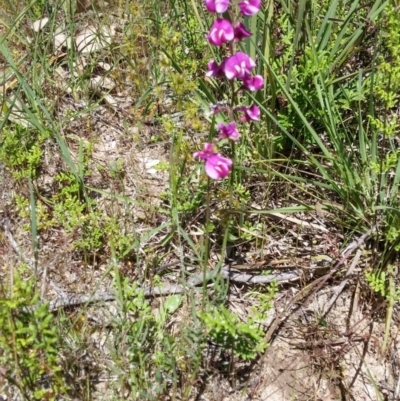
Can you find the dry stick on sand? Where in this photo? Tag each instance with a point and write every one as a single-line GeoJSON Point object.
{"type": "Point", "coordinates": [341, 286]}
{"type": "Point", "coordinates": [164, 289]}
{"type": "Point", "coordinates": [167, 289]}
{"type": "Point", "coordinates": [194, 281]}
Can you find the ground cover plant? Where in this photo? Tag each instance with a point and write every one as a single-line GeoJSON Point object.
{"type": "Point", "coordinates": [189, 190]}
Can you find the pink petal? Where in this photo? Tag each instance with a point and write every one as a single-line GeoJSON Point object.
{"type": "Point", "coordinates": [217, 6]}
{"type": "Point", "coordinates": [253, 83]}
{"type": "Point", "coordinates": [240, 32]}
{"type": "Point", "coordinates": [220, 32]}
{"type": "Point", "coordinates": [250, 7]}
{"type": "Point", "coordinates": [218, 167]}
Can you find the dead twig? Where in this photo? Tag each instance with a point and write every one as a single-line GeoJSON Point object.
{"type": "Point", "coordinates": [162, 290]}
{"type": "Point", "coordinates": [341, 286]}
{"type": "Point", "coordinates": [299, 222]}
{"type": "Point", "coordinates": [326, 343]}
{"type": "Point", "coordinates": [260, 279]}
{"type": "Point", "coordinates": [168, 289]}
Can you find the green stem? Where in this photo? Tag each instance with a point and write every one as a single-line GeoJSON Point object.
{"type": "Point", "coordinates": [206, 243]}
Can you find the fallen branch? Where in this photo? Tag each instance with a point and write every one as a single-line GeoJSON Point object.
{"type": "Point", "coordinates": [169, 289]}
{"type": "Point", "coordinates": [259, 279]}
{"type": "Point", "coordinates": [66, 301]}
{"type": "Point", "coordinates": [340, 287]}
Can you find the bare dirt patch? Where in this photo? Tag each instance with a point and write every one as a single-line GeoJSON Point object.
{"type": "Point", "coordinates": [337, 357]}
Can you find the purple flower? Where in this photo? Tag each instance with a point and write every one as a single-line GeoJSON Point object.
{"type": "Point", "coordinates": [217, 6]}
{"type": "Point", "coordinates": [238, 66]}
{"type": "Point", "coordinates": [215, 70]}
{"type": "Point", "coordinates": [216, 166]}
{"type": "Point", "coordinates": [240, 32]}
{"type": "Point", "coordinates": [251, 113]}
{"type": "Point", "coordinates": [207, 151]}
{"type": "Point", "coordinates": [250, 7]}
{"type": "Point", "coordinates": [220, 32]}
{"type": "Point", "coordinates": [228, 131]}
{"type": "Point", "coordinates": [253, 83]}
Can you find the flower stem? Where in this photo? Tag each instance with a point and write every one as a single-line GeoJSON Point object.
{"type": "Point", "coordinates": [206, 254]}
